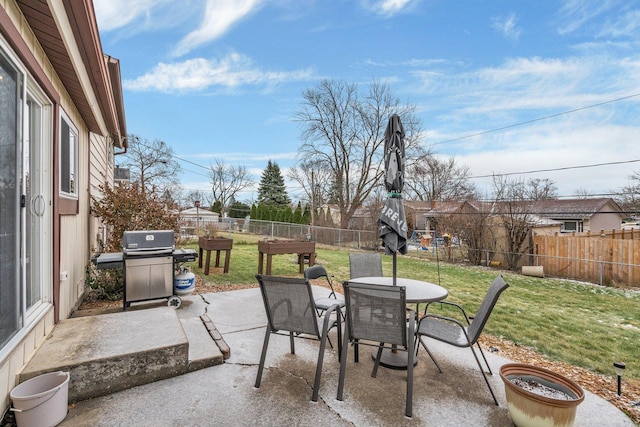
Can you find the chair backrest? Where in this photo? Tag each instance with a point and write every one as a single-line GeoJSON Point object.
{"type": "Point", "coordinates": [365, 265]}
{"type": "Point", "coordinates": [486, 307]}
{"type": "Point", "coordinates": [289, 304]}
{"type": "Point", "coordinates": [376, 313]}
{"type": "Point", "coordinates": [315, 272]}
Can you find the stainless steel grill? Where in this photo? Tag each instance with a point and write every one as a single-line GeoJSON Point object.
{"type": "Point", "coordinates": [148, 265]}
{"type": "Point", "coordinates": [149, 261]}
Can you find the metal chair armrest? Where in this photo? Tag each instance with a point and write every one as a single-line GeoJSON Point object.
{"type": "Point", "coordinates": [452, 304]}
{"type": "Point", "coordinates": [443, 318]}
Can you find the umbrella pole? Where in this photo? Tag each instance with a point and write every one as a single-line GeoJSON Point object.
{"type": "Point", "coordinates": [395, 274]}
{"type": "Point", "coordinates": [435, 239]}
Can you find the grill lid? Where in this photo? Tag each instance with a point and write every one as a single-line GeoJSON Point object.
{"type": "Point", "coordinates": [144, 241]}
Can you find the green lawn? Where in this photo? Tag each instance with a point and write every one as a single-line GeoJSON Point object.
{"type": "Point", "coordinates": [581, 324]}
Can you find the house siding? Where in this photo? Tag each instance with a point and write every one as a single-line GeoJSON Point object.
{"type": "Point", "coordinates": [72, 227]}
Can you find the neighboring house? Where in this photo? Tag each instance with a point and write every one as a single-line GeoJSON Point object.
{"type": "Point", "coordinates": [61, 117]}
{"type": "Point", "coordinates": [202, 216]}
{"type": "Point", "coordinates": [366, 217]}
{"type": "Point", "coordinates": [333, 211]}
{"type": "Point", "coordinates": [546, 217]}
{"type": "Point", "coordinates": [549, 216]}
{"type": "Point", "coordinates": [577, 215]}
{"type": "Point", "coordinates": [415, 211]}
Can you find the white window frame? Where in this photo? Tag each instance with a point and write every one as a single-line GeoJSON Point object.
{"type": "Point", "coordinates": [45, 238]}
{"type": "Point", "coordinates": [68, 183]}
{"type": "Point", "coordinates": [578, 226]}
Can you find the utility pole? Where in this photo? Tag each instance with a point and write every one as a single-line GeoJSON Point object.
{"type": "Point", "coordinates": [197, 204]}
{"type": "Point", "coordinates": [313, 201]}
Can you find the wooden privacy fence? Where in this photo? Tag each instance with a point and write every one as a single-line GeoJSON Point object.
{"type": "Point", "coordinates": [611, 258]}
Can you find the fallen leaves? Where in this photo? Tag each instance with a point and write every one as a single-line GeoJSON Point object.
{"type": "Point", "coordinates": [601, 385]}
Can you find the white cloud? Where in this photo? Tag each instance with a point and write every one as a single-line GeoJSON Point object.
{"type": "Point", "coordinates": [197, 74]}
{"type": "Point", "coordinates": [522, 90]}
{"type": "Point", "coordinates": [562, 144]}
{"type": "Point", "coordinates": [389, 7]}
{"type": "Point", "coordinates": [574, 14]}
{"type": "Point", "coordinates": [219, 17]}
{"type": "Point", "coordinates": [626, 25]}
{"type": "Point", "coordinates": [114, 14]}
{"type": "Point", "coordinates": [507, 26]}
{"type": "Point", "coordinates": [533, 86]}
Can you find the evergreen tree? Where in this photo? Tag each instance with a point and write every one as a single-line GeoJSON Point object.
{"type": "Point", "coordinates": [306, 215]}
{"type": "Point", "coordinates": [297, 214]}
{"type": "Point", "coordinates": [272, 190]}
{"type": "Point", "coordinates": [217, 207]}
{"type": "Point", "coordinates": [238, 210]}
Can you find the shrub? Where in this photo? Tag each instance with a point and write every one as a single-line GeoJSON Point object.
{"type": "Point", "coordinates": [128, 207]}
{"type": "Point", "coordinates": [104, 284]}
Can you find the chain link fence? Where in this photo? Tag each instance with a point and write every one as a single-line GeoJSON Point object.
{"type": "Point", "coordinates": [598, 271]}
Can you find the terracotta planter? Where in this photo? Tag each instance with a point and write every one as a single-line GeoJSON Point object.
{"type": "Point", "coordinates": [530, 409]}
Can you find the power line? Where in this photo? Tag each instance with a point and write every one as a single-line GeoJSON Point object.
{"type": "Point", "coordinates": [537, 120]}
{"type": "Point", "coordinates": [486, 132]}
{"type": "Point", "coordinates": [558, 169]}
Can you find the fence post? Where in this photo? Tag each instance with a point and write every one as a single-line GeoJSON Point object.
{"type": "Point", "coordinates": [602, 237]}
{"type": "Point", "coordinates": [601, 272]}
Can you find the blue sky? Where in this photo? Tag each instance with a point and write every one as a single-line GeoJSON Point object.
{"type": "Point", "coordinates": [222, 79]}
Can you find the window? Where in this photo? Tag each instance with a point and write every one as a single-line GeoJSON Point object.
{"type": "Point", "coordinates": [571, 226]}
{"type": "Point", "coordinates": [68, 157]}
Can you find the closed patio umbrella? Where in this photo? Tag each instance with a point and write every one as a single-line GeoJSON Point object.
{"type": "Point", "coordinates": [392, 221]}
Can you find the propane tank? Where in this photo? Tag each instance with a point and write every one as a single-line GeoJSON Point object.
{"type": "Point", "coordinates": [185, 281]}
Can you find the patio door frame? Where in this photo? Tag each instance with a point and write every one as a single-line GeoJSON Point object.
{"type": "Point", "coordinates": [30, 284]}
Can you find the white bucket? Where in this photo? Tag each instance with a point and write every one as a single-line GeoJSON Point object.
{"type": "Point", "coordinates": [41, 401]}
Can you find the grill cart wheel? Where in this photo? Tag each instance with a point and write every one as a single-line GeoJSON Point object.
{"type": "Point", "coordinates": [174, 301]}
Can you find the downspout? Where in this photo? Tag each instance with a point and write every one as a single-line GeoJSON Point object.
{"type": "Point", "coordinates": [123, 141]}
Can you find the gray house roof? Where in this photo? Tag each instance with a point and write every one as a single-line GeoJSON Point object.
{"type": "Point", "coordinates": [557, 209]}
{"type": "Point", "coordinates": [574, 208]}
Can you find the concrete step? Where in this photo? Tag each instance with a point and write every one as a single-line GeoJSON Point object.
{"type": "Point", "coordinates": [115, 351]}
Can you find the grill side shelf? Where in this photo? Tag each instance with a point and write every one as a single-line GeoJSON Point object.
{"type": "Point", "coordinates": [108, 260]}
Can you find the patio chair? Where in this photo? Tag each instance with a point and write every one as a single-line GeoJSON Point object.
{"type": "Point", "coordinates": [462, 334]}
{"type": "Point", "coordinates": [376, 315]}
{"type": "Point", "coordinates": [291, 311]}
{"type": "Point", "coordinates": [323, 304]}
{"type": "Point", "coordinates": [365, 265]}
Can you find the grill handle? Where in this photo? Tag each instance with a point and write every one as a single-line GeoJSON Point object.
{"type": "Point", "coordinates": [148, 252]}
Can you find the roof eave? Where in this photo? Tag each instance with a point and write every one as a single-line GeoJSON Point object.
{"type": "Point", "coordinates": [95, 95]}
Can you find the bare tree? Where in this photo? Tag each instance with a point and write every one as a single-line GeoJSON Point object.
{"type": "Point", "coordinates": [470, 223]}
{"type": "Point", "coordinates": [540, 189]}
{"type": "Point", "coordinates": [512, 207]}
{"type": "Point", "coordinates": [227, 181]}
{"type": "Point", "coordinates": [583, 193]}
{"type": "Point", "coordinates": [629, 196]}
{"type": "Point", "coordinates": [432, 179]}
{"type": "Point", "coordinates": [152, 164]}
{"type": "Point", "coordinates": [194, 196]}
{"type": "Point", "coordinates": [315, 183]}
{"type": "Point", "coordinates": [343, 131]}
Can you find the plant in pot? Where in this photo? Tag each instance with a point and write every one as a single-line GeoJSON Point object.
{"type": "Point", "coordinates": [540, 397]}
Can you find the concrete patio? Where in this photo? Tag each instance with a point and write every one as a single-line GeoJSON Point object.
{"type": "Point", "coordinates": [224, 395]}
